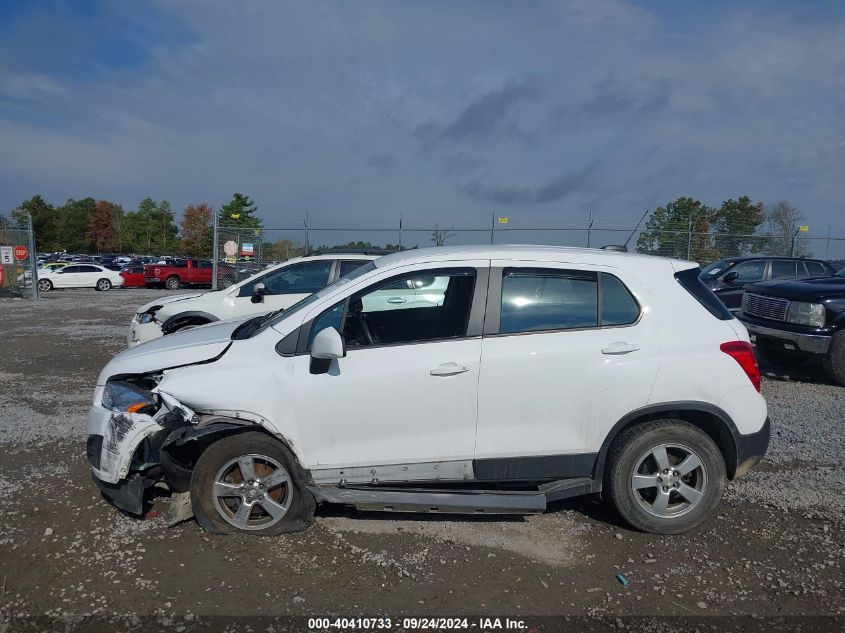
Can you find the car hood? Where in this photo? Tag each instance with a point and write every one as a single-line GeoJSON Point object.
{"type": "Point", "coordinates": [162, 301]}
{"type": "Point", "coordinates": [812, 289]}
{"type": "Point", "coordinates": [188, 347]}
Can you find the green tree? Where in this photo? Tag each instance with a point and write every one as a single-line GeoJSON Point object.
{"type": "Point", "coordinates": [73, 224]}
{"type": "Point", "coordinates": [151, 229]}
{"type": "Point", "coordinates": [735, 224]}
{"type": "Point", "coordinates": [681, 229]}
{"type": "Point", "coordinates": [240, 212]}
{"type": "Point", "coordinates": [45, 222]}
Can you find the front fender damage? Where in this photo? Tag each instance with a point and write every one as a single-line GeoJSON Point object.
{"type": "Point", "coordinates": [142, 451]}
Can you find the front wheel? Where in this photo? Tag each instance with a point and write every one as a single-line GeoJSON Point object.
{"type": "Point", "coordinates": [834, 360]}
{"type": "Point", "coordinates": [103, 284]}
{"type": "Point", "coordinates": [665, 476]}
{"type": "Point", "coordinates": [249, 482]}
{"type": "Point", "coordinates": [45, 285]}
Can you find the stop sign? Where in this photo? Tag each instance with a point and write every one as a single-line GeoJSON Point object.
{"type": "Point", "coordinates": [21, 253]}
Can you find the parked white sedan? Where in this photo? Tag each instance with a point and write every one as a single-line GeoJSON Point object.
{"type": "Point", "coordinates": [79, 276]}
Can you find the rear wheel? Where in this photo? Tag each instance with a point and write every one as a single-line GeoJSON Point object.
{"type": "Point", "coordinates": [249, 482]}
{"type": "Point", "coordinates": [834, 360]}
{"type": "Point", "coordinates": [173, 283]}
{"type": "Point", "coordinates": [45, 285]}
{"type": "Point", "coordinates": [777, 355]}
{"type": "Point", "coordinates": [103, 284]}
{"type": "Point", "coordinates": [665, 476]}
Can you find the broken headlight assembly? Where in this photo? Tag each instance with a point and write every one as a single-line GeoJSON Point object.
{"type": "Point", "coordinates": [123, 396]}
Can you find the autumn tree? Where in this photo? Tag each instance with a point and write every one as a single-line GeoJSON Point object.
{"type": "Point", "coordinates": [196, 230]}
{"type": "Point", "coordinates": [100, 231]}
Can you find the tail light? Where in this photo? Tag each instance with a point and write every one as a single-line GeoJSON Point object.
{"type": "Point", "coordinates": [743, 354]}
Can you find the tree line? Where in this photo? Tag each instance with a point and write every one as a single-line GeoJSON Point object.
{"type": "Point", "coordinates": [686, 228]}
{"type": "Point", "coordinates": [100, 226]}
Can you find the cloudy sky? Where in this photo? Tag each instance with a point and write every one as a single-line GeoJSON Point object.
{"type": "Point", "coordinates": [448, 111]}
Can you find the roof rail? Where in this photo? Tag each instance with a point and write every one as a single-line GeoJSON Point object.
{"type": "Point", "coordinates": [349, 251]}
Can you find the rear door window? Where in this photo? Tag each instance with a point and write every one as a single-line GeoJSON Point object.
{"type": "Point", "coordinates": [784, 269]}
{"type": "Point", "coordinates": [546, 299]}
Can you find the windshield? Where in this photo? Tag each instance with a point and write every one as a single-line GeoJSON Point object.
{"type": "Point", "coordinates": [841, 273]}
{"type": "Point", "coordinates": [265, 321]}
{"type": "Point", "coordinates": [714, 269]}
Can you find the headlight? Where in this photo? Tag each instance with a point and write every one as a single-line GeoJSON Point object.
{"type": "Point", "coordinates": [805, 313]}
{"type": "Point", "coordinates": [124, 396]}
{"type": "Point", "coordinates": [144, 317]}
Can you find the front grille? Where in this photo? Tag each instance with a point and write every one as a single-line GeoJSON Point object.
{"type": "Point", "coordinates": [765, 307]}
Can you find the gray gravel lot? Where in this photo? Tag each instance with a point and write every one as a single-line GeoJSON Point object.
{"type": "Point", "coordinates": [775, 548]}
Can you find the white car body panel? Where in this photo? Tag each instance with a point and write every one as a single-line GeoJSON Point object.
{"type": "Point", "coordinates": [61, 279]}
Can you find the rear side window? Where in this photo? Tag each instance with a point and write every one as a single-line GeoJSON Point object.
{"type": "Point", "coordinates": [815, 269]}
{"type": "Point", "coordinates": [692, 284]}
{"type": "Point", "coordinates": [618, 306]}
{"type": "Point", "coordinates": [535, 300]}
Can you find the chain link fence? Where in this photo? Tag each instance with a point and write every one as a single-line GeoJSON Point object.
{"type": "Point", "coordinates": [16, 272]}
{"type": "Point", "coordinates": [250, 249]}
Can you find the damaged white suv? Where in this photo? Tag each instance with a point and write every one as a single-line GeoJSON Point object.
{"type": "Point", "coordinates": [545, 373]}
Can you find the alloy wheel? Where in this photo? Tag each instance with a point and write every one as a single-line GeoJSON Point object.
{"type": "Point", "coordinates": [252, 492]}
{"type": "Point", "coordinates": [669, 480]}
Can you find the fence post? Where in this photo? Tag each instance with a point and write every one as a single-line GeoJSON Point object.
{"type": "Point", "coordinates": [33, 267]}
{"type": "Point", "coordinates": [689, 238]}
{"type": "Point", "coordinates": [400, 232]}
{"type": "Point", "coordinates": [827, 247]}
{"type": "Point", "coordinates": [215, 253]}
{"type": "Point", "coordinates": [589, 229]}
{"type": "Point", "coordinates": [492, 226]}
{"type": "Point", "coordinates": [305, 224]}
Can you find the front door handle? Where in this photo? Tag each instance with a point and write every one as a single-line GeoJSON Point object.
{"type": "Point", "coordinates": [620, 347]}
{"type": "Point", "coordinates": [448, 369]}
{"type": "Point", "coordinates": [396, 300]}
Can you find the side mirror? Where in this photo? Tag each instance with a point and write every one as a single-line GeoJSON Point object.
{"type": "Point", "coordinates": [327, 345]}
{"type": "Point", "coordinates": [730, 278]}
{"type": "Point", "coordinates": [258, 292]}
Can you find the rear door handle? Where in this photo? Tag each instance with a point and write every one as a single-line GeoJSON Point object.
{"type": "Point", "coordinates": [620, 347]}
{"type": "Point", "coordinates": [448, 369]}
{"type": "Point", "coordinates": [397, 300]}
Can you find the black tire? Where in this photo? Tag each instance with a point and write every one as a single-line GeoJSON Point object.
{"type": "Point", "coordinates": [775, 354]}
{"type": "Point", "coordinates": [45, 285]}
{"type": "Point", "coordinates": [173, 283]}
{"type": "Point", "coordinates": [834, 360]}
{"type": "Point", "coordinates": [102, 284]}
{"type": "Point", "coordinates": [210, 511]}
{"type": "Point", "coordinates": [635, 444]}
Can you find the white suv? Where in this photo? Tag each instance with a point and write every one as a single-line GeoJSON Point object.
{"type": "Point", "coordinates": [545, 373]}
{"type": "Point", "coordinates": [277, 288]}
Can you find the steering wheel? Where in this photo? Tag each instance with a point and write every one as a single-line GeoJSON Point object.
{"type": "Point", "coordinates": [365, 328]}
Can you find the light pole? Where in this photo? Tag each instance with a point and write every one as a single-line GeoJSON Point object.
{"type": "Point", "coordinates": [800, 229]}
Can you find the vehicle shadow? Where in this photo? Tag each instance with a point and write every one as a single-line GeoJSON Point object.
{"type": "Point", "coordinates": [810, 371]}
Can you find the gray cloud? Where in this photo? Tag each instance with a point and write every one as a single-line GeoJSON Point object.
{"type": "Point", "coordinates": [555, 189]}
{"type": "Point", "coordinates": [382, 161]}
{"type": "Point", "coordinates": [492, 115]}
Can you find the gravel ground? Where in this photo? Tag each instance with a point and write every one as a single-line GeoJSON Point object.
{"type": "Point", "coordinates": [775, 548]}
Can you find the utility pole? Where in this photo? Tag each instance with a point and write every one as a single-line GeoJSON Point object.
{"type": "Point", "coordinates": [214, 251]}
{"type": "Point", "coordinates": [492, 226]}
{"type": "Point", "coordinates": [400, 231]}
{"type": "Point", "coordinates": [589, 228]}
{"type": "Point", "coordinates": [305, 223]}
{"type": "Point", "coordinates": [33, 266]}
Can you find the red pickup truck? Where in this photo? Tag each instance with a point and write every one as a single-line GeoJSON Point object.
{"type": "Point", "coordinates": [186, 272]}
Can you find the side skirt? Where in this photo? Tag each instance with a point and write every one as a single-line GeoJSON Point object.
{"type": "Point", "coordinates": [455, 501]}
